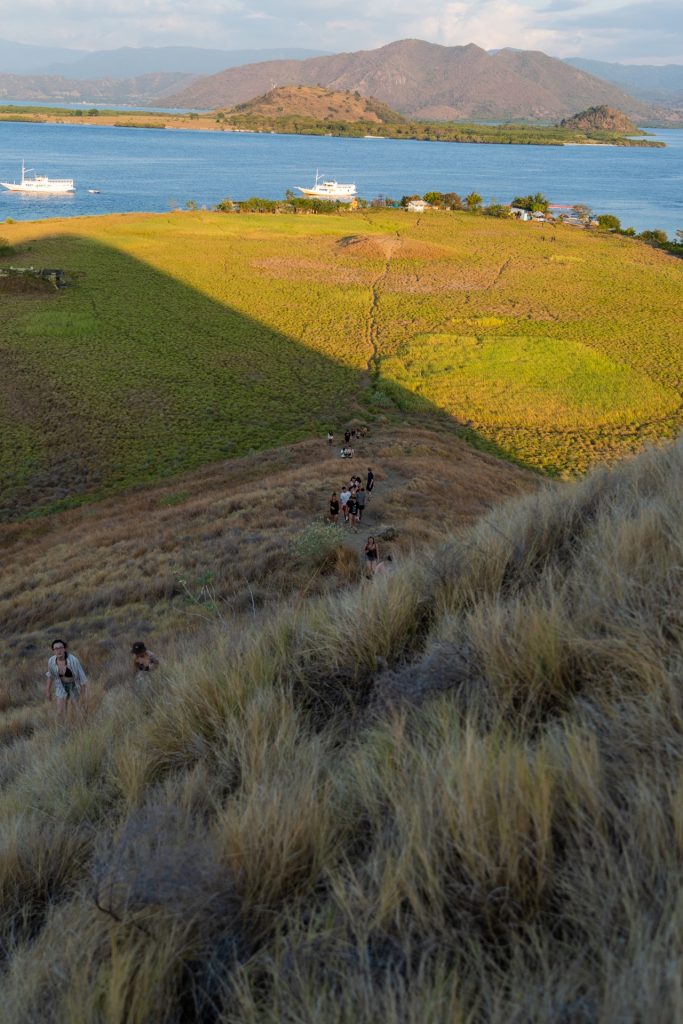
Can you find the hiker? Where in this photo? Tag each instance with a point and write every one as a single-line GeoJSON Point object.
{"type": "Point", "coordinates": [334, 508]}
{"type": "Point", "coordinates": [371, 552]}
{"type": "Point", "coordinates": [370, 483]}
{"type": "Point", "coordinates": [347, 452]}
{"type": "Point", "coordinates": [330, 438]}
{"type": "Point", "coordinates": [143, 660]}
{"type": "Point", "coordinates": [344, 498]}
{"type": "Point", "coordinates": [352, 508]}
{"type": "Point", "coordinates": [360, 498]}
{"type": "Point", "coordinates": [347, 436]}
{"type": "Point", "coordinates": [66, 678]}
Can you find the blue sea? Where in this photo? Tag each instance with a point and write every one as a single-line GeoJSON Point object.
{"type": "Point", "coordinates": [155, 170]}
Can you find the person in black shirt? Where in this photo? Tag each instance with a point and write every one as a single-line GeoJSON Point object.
{"type": "Point", "coordinates": [334, 508]}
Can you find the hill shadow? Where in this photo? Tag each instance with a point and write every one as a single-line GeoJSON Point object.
{"type": "Point", "coordinates": [129, 377]}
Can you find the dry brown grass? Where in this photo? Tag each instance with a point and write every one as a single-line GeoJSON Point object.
{"type": "Point", "coordinates": [219, 543]}
{"type": "Point", "coordinates": [449, 795]}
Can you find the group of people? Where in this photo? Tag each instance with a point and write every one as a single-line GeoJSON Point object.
{"type": "Point", "coordinates": [347, 450]}
{"type": "Point", "coordinates": [350, 504]}
{"type": "Point", "coordinates": [66, 678]}
{"type": "Point", "coordinates": [351, 501]}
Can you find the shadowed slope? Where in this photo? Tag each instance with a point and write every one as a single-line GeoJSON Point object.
{"type": "Point", "coordinates": [449, 795]}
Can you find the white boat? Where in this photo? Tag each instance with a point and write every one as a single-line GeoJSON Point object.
{"type": "Point", "coordinates": [39, 184]}
{"type": "Point", "coordinates": [328, 190]}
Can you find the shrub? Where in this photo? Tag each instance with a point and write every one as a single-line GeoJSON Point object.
{"type": "Point", "coordinates": [608, 222]}
{"type": "Point", "coordinates": [655, 237]}
{"type": "Point", "coordinates": [317, 543]}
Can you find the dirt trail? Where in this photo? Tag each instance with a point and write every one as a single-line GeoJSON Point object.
{"type": "Point", "coordinates": [371, 327]}
{"type": "Point", "coordinates": [389, 482]}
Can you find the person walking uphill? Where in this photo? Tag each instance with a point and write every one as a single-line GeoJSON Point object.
{"type": "Point", "coordinates": [66, 677]}
{"type": "Point", "coordinates": [371, 552]}
{"type": "Point", "coordinates": [143, 660]}
{"type": "Point", "coordinates": [369, 483]}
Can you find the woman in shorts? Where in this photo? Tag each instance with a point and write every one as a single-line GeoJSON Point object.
{"type": "Point", "coordinates": [66, 678]}
{"type": "Point", "coordinates": [334, 508]}
{"type": "Point", "coordinates": [371, 556]}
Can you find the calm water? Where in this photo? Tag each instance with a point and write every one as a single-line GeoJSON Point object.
{"type": "Point", "coordinates": [153, 170]}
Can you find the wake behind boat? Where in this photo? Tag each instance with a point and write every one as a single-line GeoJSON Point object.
{"type": "Point", "coordinates": [328, 190]}
{"type": "Point", "coordinates": [40, 184]}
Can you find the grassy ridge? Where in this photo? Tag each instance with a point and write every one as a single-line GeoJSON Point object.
{"type": "Point", "coordinates": [189, 337]}
{"type": "Point", "coordinates": [452, 795]}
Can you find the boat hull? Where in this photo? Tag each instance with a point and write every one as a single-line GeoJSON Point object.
{"type": "Point", "coordinates": [39, 190]}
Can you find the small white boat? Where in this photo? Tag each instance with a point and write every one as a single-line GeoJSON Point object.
{"type": "Point", "coordinates": [328, 190]}
{"type": "Point", "coordinates": [94, 191]}
{"type": "Point", "coordinates": [39, 184]}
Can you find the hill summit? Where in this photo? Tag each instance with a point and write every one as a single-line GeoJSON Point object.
{"type": "Point", "coordinates": [602, 118]}
{"type": "Point", "coordinates": [319, 103]}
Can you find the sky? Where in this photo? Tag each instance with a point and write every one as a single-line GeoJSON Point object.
{"type": "Point", "coordinates": [632, 33]}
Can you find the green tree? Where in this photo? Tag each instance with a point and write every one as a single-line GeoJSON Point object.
{"type": "Point", "coordinates": [408, 199]}
{"type": "Point", "coordinates": [608, 222]}
{"type": "Point", "coordinates": [534, 203]}
{"type": "Point", "coordinates": [654, 237]}
{"type": "Point", "coordinates": [473, 202]}
{"type": "Point", "coordinates": [497, 210]}
{"type": "Point", "coordinates": [434, 198]}
{"type": "Point", "coordinates": [452, 201]}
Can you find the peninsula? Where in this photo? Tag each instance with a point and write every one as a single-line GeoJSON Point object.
{"type": "Point", "coordinates": [315, 110]}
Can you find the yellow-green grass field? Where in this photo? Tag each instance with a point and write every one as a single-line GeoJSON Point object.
{"type": "Point", "coordinates": [187, 338]}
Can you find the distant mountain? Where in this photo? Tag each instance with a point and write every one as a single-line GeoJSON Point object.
{"type": "Point", "coordinates": [662, 85]}
{"type": "Point", "coordinates": [143, 90]}
{"type": "Point", "coordinates": [130, 62]}
{"type": "Point", "coordinates": [24, 59]}
{"type": "Point", "coordinates": [424, 80]}
{"type": "Point", "coordinates": [319, 103]}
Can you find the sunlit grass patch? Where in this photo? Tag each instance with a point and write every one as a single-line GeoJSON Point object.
{"type": "Point", "coordinates": [531, 382]}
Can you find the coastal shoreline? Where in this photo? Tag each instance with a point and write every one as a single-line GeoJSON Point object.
{"type": "Point", "coordinates": [538, 135]}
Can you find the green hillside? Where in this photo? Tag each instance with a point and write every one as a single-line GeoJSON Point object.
{"type": "Point", "coordinates": [191, 337]}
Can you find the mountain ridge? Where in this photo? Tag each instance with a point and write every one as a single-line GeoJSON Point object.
{"type": "Point", "coordinates": [429, 81]}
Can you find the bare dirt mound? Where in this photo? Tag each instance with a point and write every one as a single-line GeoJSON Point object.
{"type": "Point", "coordinates": [382, 246]}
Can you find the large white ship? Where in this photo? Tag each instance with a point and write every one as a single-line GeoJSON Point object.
{"type": "Point", "coordinates": [328, 190]}
{"type": "Point", "coordinates": [39, 184]}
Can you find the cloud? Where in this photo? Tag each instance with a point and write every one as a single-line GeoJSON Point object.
{"type": "Point", "coordinates": [606, 29]}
